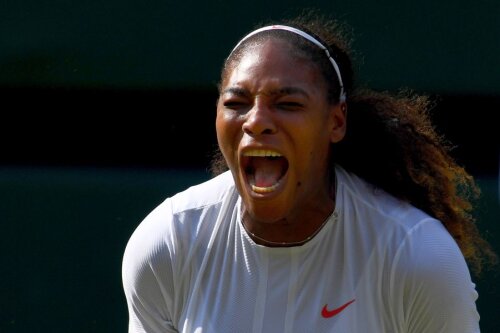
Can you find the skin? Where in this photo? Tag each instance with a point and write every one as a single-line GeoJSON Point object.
{"type": "Point", "coordinates": [274, 101]}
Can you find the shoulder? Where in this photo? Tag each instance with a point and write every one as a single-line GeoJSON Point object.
{"type": "Point", "coordinates": [374, 204]}
{"type": "Point", "coordinates": [175, 223]}
{"type": "Point", "coordinates": [164, 227]}
{"type": "Point", "coordinates": [424, 270]}
{"type": "Point", "coordinates": [397, 226]}
{"type": "Point", "coordinates": [202, 195]}
{"type": "Point", "coordinates": [159, 249]}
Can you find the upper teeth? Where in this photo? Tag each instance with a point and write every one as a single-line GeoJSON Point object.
{"type": "Point", "coordinates": [262, 153]}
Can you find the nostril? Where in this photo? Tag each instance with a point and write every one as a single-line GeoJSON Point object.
{"type": "Point", "coordinates": [258, 128]}
{"type": "Point", "coordinates": [247, 128]}
{"type": "Point", "coordinates": [265, 131]}
{"type": "Point", "coordinates": [258, 122]}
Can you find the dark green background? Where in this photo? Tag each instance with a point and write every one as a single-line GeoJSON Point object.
{"type": "Point", "coordinates": [442, 45]}
{"type": "Point", "coordinates": [108, 108]}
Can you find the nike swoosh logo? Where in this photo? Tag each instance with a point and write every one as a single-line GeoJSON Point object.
{"type": "Point", "coordinates": [330, 313]}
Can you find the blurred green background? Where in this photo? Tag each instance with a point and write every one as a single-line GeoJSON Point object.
{"type": "Point", "coordinates": [108, 108]}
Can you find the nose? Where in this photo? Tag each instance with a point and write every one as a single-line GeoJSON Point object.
{"type": "Point", "coordinates": [259, 121]}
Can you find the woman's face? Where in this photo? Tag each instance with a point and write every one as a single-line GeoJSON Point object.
{"type": "Point", "coordinates": [274, 128]}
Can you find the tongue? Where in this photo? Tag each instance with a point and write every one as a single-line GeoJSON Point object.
{"type": "Point", "coordinates": [267, 172]}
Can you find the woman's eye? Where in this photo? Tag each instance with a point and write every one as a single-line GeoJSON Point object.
{"type": "Point", "coordinates": [234, 104]}
{"type": "Point", "coordinates": [289, 105]}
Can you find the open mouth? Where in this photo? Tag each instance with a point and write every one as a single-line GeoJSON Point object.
{"type": "Point", "coordinates": [264, 169]}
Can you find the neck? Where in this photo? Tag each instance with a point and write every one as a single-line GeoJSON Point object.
{"type": "Point", "coordinates": [284, 239]}
{"type": "Point", "coordinates": [295, 232]}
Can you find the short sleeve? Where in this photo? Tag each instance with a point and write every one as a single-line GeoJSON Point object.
{"type": "Point", "coordinates": [433, 283]}
{"type": "Point", "coordinates": [147, 274]}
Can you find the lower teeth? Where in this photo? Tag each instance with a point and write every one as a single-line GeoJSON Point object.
{"type": "Point", "coordinates": [268, 189]}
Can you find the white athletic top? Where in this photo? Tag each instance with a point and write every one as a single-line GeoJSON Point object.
{"type": "Point", "coordinates": [378, 265]}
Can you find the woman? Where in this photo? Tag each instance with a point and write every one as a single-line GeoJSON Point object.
{"type": "Point", "coordinates": [341, 210]}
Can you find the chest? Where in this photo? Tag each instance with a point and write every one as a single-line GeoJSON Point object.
{"type": "Point", "coordinates": [320, 289]}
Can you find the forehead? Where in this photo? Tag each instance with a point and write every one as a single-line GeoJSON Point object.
{"type": "Point", "coordinates": [267, 44]}
{"type": "Point", "coordinates": [272, 59]}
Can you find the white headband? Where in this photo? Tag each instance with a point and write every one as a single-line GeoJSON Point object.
{"type": "Point", "coordinates": [309, 38]}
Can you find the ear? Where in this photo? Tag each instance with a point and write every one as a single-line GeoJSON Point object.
{"type": "Point", "coordinates": [338, 114]}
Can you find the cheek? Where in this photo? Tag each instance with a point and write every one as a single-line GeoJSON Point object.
{"type": "Point", "coordinates": [314, 133]}
{"type": "Point", "coordinates": [221, 125]}
{"type": "Point", "coordinates": [314, 143]}
{"type": "Point", "coordinates": [228, 130]}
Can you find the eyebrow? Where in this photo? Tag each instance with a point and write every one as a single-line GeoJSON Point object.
{"type": "Point", "coordinates": [235, 91]}
{"type": "Point", "coordinates": [281, 91]}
